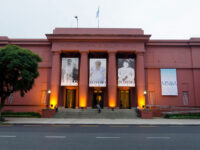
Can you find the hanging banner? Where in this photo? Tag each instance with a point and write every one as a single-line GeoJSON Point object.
{"type": "Point", "coordinates": [169, 82]}
{"type": "Point", "coordinates": [69, 75]}
{"type": "Point", "coordinates": [97, 76]}
{"type": "Point", "coordinates": [126, 72]}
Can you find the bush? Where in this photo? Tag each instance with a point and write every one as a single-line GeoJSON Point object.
{"type": "Point", "coordinates": [183, 116]}
{"type": "Point", "coordinates": [21, 114]}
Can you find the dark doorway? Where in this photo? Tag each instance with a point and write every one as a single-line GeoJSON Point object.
{"type": "Point", "coordinates": [97, 98]}
{"type": "Point", "coordinates": [70, 98]}
{"type": "Point", "coordinates": [124, 99]}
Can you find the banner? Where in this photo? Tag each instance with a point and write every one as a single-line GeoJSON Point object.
{"type": "Point", "coordinates": [97, 76]}
{"type": "Point", "coordinates": [69, 75]}
{"type": "Point", "coordinates": [169, 82]}
{"type": "Point", "coordinates": [126, 72]}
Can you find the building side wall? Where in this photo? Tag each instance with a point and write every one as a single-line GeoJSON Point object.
{"type": "Point", "coordinates": [37, 97]}
{"type": "Point", "coordinates": [185, 60]}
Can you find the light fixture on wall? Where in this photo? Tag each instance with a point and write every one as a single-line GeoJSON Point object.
{"type": "Point", "coordinates": [49, 91]}
{"type": "Point", "coordinates": [145, 92]}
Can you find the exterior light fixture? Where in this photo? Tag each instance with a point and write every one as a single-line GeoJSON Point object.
{"type": "Point", "coordinates": [49, 92]}
{"type": "Point", "coordinates": [76, 17]}
{"type": "Point", "coordinates": [145, 92]}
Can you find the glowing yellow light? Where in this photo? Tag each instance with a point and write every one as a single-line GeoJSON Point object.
{"type": "Point", "coordinates": [112, 103]}
{"type": "Point", "coordinates": [141, 102]}
{"type": "Point", "coordinates": [82, 102]}
{"type": "Point", "coordinates": [53, 103]}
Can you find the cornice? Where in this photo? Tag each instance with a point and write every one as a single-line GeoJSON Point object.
{"type": "Point", "coordinates": [97, 37]}
{"type": "Point", "coordinates": [6, 40]}
{"type": "Point", "coordinates": [190, 42]}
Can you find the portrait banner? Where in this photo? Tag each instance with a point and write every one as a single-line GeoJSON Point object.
{"type": "Point", "coordinates": [97, 76]}
{"type": "Point", "coordinates": [69, 74]}
{"type": "Point", "coordinates": [126, 72]}
{"type": "Point", "coordinates": [169, 82]}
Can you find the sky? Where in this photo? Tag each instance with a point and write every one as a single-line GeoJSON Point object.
{"type": "Point", "coordinates": [162, 19]}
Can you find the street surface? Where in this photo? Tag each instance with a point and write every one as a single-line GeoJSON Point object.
{"type": "Point", "coordinates": [99, 137]}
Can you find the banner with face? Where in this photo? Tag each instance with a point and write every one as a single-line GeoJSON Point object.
{"type": "Point", "coordinates": [126, 72]}
{"type": "Point", "coordinates": [97, 77]}
{"type": "Point", "coordinates": [69, 75]}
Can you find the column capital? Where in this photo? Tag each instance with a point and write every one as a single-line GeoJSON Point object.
{"type": "Point", "coordinates": [140, 54]}
{"type": "Point", "coordinates": [112, 52]}
{"type": "Point", "coordinates": [84, 51]}
{"type": "Point", "coordinates": [56, 52]}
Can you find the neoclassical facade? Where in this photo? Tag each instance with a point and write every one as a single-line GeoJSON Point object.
{"type": "Point", "coordinates": [115, 68]}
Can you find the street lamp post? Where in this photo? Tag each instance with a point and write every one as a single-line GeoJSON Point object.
{"type": "Point", "coordinates": [76, 17]}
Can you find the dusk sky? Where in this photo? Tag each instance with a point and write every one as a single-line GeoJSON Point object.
{"type": "Point", "coordinates": [163, 19]}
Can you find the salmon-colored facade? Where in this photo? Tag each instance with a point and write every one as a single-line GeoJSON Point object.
{"type": "Point", "coordinates": [84, 43]}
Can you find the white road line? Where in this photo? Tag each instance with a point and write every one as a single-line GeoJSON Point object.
{"type": "Point", "coordinates": [153, 137]}
{"type": "Point", "coordinates": [101, 137]}
{"type": "Point", "coordinates": [59, 137]}
{"type": "Point", "coordinates": [7, 136]}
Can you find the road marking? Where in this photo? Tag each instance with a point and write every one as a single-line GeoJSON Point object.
{"type": "Point", "coordinates": [106, 137]}
{"type": "Point", "coordinates": [153, 137]}
{"type": "Point", "coordinates": [147, 126]}
{"type": "Point", "coordinates": [7, 136]}
{"type": "Point", "coordinates": [61, 125]}
{"type": "Point", "coordinates": [32, 125]}
{"type": "Point", "coordinates": [119, 126]}
{"type": "Point", "coordinates": [88, 126]}
{"type": "Point", "coordinates": [59, 137]}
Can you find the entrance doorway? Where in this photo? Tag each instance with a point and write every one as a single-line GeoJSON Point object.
{"type": "Point", "coordinates": [70, 98]}
{"type": "Point", "coordinates": [125, 99]}
{"type": "Point", "coordinates": [97, 98]}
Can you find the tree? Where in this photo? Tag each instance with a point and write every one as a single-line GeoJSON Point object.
{"type": "Point", "coordinates": [18, 70]}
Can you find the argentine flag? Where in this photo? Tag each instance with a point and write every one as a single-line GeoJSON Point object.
{"type": "Point", "coordinates": [97, 15]}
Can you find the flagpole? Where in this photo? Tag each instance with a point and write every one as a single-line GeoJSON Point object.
{"type": "Point", "coordinates": [97, 16]}
{"type": "Point", "coordinates": [98, 22]}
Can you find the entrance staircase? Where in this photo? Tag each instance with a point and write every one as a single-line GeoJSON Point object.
{"type": "Point", "coordinates": [91, 113]}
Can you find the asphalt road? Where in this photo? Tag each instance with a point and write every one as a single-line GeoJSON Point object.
{"type": "Point", "coordinates": [99, 137]}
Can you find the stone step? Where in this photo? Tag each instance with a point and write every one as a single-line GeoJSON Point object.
{"type": "Point", "coordinates": [93, 113]}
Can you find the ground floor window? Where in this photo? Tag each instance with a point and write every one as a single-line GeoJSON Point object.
{"type": "Point", "coordinates": [185, 98]}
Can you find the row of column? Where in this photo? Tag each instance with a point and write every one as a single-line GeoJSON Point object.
{"type": "Point", "coordinates": [83, 81]}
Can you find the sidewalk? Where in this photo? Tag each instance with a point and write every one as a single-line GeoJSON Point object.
{"type": "Point", "coordinates": [138, 121]}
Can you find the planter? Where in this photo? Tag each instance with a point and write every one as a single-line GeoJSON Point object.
{"type": "Point", "coordinates": [48, 113]}
{"type": "Point", "coordinates": [146, 114]}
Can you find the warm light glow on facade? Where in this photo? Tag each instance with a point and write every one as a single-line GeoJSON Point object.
{"type": "Point", "coordinates": [53, 103]}
{"type": "Point", "coordinates": [112, 103]}
{"type": "Point", "coordinates": [141, 102]}
{"type": "Point", "coordinates": [82, 102]}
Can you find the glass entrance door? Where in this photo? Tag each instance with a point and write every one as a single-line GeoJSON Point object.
{"type": "Point", "coordinates": [70, 98]}
{"type": "Point", "coordinates": [97, 98]}
{"type": "Point", "coordinates": [124, 99]}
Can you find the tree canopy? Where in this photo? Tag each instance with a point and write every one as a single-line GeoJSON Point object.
{"type": "Point", "coordinates": [18, 70]}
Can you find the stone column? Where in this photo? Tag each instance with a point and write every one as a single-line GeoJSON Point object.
{"type": "Point", "coordinates": [55, 80]}
{"type": "Point", "coordinates": [140, 76]}
{"type": "Point", "coordinates": [112, 80]}
{"type": "Point", "coordinates": [83, 80]}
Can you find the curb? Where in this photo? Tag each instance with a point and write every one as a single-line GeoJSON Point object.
{"type": "Point", "coordinates": [117, 124]}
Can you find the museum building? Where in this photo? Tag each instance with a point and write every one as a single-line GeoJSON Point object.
{"type": "Point", "coordinates": [112, 68]}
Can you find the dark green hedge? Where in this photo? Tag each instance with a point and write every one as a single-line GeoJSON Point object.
{"type": "Point", "coordinates": [21, 114]}
{"type": "Point", "coordinates": [183, 116]}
